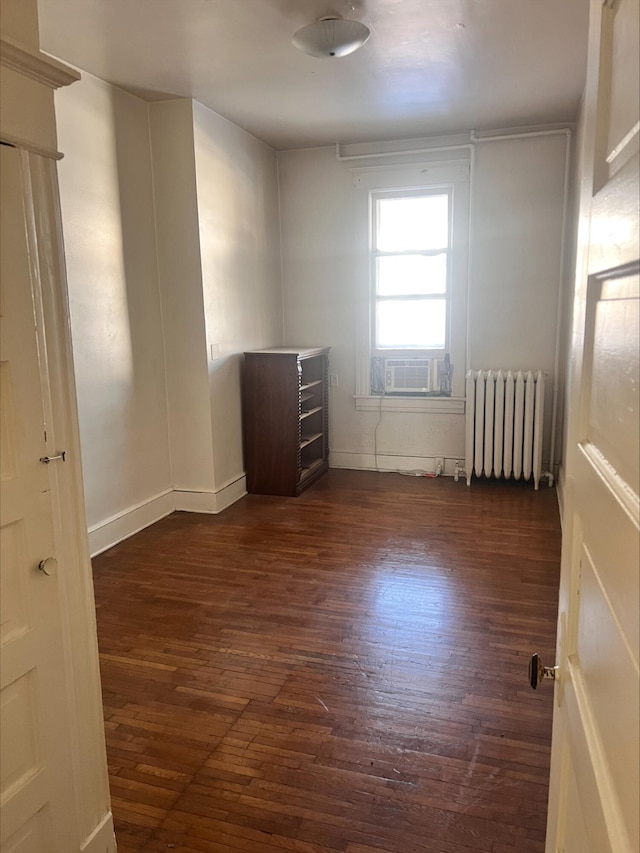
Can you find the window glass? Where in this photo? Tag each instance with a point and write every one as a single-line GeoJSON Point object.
{"type": "Point", "coordinates": [411, 323]}
{"type": "Point", "coordinates": [411, 274]}
{"type": "Point", "coordinates": [410, 268]}
{"type": "Point", "coordinates": [412, 223]}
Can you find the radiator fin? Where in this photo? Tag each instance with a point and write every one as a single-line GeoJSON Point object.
{"type": "Point", "coordinates": [504, 424]}
{"type": "Point", "coordinates": [489, 395]}
{"type": "Point", "coordinates": [498, 426]}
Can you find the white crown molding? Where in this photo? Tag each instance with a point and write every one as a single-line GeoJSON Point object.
{"type": "Point", "coordinates": [21, 142]}
{"type": "Point", "coordinates": [36, 65]}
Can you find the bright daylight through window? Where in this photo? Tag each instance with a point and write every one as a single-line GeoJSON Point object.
{"type": "Point", "coordinates": [411, 270]}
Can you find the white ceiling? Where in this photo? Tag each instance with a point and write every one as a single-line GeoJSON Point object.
{"type": "Point", "coordinates": [430, 66]}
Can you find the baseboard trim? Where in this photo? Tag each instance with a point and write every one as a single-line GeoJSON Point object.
{"type": "Point", "coordinates": [389, 463]}
{"type": "Point", "coordinates": [231, 492]}
{"type": "Point", "coordinates": [560, 493]}
{"type": "Point", "coordinates": [124, 524]}
{"type": "Point", "coordinates": [186, 501]}
{"type": "Point", "coordinates": [211, 502]}
{"type": "Point", "coordinates": [102, 839]}
{"type": "Point", "coordinates": [121, 526]}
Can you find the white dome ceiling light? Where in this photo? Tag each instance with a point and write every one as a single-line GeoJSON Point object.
{"type": "Point", "coordinates": [331, 36]}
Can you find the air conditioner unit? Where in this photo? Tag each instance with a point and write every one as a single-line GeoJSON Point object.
{"type": "Point", "coordinates": [407, 375]}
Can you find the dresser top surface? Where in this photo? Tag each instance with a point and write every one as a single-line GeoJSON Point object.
{"type": "Point", "coordinates": [300, 351]}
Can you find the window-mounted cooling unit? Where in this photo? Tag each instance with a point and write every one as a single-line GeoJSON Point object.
{"type": "Point", "coordinates": [407, 375]}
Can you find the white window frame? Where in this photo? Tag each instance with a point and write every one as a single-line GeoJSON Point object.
{"type": "Point", "coordinates": [422, 177]}
{"type": "Point", "coordinates": [409, 352]}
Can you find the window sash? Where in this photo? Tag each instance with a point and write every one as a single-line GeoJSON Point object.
{"type": "Point", "coordinates": [377, 349]}
{"type": "Point", "coordinates": [421, 233]}
{"type": "Point", "coordinates": [416, 292]}
{"type": "Point", "coordinates": [423, 320]}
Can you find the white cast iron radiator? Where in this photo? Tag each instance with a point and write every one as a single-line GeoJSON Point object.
{"type": "Point", "coordinates": [504, 424]}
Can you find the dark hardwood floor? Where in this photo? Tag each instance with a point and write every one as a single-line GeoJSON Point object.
{"type": "Point", "coordinates": [343, 671]}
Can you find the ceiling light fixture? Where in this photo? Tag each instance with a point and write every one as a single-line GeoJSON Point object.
{"type": "Point", "coordinates": [331, 36]}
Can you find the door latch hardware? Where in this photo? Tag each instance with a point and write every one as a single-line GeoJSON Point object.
{"type": "Point", "coordinates": [538, 672]}
{"type": "Point", "coordinates": [47, 459]}
{"type": "Point", "coordinates": [48, 566]}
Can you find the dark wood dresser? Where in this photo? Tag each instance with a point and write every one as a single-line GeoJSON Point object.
{"type": "Point", "coordinates": [286, 418]}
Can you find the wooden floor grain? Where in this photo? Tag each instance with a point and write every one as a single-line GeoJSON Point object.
{"type": "Point", "coordinates": [344, 671]}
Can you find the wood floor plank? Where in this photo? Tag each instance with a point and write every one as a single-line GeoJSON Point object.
{"type": "Point", "coordinates": [343, 672]}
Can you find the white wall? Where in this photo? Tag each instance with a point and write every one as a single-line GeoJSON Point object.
{"type": "Point", "coordinates": [216, 197]}
{"type": "Point", "coordinates": [108, 220]}
{"type": "Point", "coordinates": [171, 225]}
{"type": "Point", "coordinates": [180, 278]}
{"type": "Point", "coordinates": [514, 294]}
{"type": "Point", "coordinates": [515, 261]}
{"type": "Point", "coordinates": [239, 230]}
{"type": "Point", "coordinates": [516, 245]}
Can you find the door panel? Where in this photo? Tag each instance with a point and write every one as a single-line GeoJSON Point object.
{"type": "Point", "coordinates": [579, 842]}
{"type": "Point", "coordinates": [608, 666]}
{"type": "Point", "coordinates": [35, 780]}
{"type": "Point", "coordinates": [30, 838]}
{"type": "Point", "coordinates": [624, 95]}
{"type": "Point", "coordinates": [594, 785]}
{"type": "Point", "coordinates": [612, 344]}
{"type": "Point", "coordinates": [13, 605]}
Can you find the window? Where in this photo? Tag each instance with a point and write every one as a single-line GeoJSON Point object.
{"type": "Point", "coordinates": [411, 273]}
{"type": "Point", "coordinates": [411, 248]}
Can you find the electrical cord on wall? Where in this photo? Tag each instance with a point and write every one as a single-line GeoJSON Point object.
{"type": "Point", "coordinates": [378, 386]}
{"type": "Point", "coordinates": [375, 432]}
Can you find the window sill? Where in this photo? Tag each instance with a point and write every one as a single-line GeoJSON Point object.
{"type": "Point", "coordinates": [429, 405]}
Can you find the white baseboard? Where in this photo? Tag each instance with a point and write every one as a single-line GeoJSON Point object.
{"type": "Point", "coordinates": [231, 492]}
{"type": "Point", "coordinates": [211, 502]}
{"type": "Point", "coordinates": [560, 493]}
{"type": "Point", "coordinates": [102, 839]}
{"type": "Point", "coordinates": [186, 501]}
{"type": "Point", "coordinates": [386, 463]}
{"type": "Point", "coordinates": [132, 520]}
{"type": "Point", "coordinates": [124, 524]}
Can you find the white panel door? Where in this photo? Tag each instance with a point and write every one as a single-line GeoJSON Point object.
{"type": "Point", "coordinates": [36, 783]}
{"type": "Point", "coordinates": [594, 789]}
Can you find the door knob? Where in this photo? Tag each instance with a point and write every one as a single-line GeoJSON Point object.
{"type": "Point", "coordinates": [538, 672]}
{"type": "Point", "coordinates": [48, 566]}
